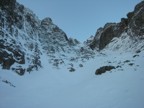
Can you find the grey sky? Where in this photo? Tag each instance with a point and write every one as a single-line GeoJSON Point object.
{"type": "Point", "coordinates": [81, 18]}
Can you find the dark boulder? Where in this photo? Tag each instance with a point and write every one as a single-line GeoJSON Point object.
{"type": "Point", "coordinates": [71, 69]}
{"type": "Point", "coordinates": [19, 70]}
{"type": "Point", "coordinates": [103, 69]}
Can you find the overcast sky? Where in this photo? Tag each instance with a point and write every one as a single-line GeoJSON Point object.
{"type": "Point", "coordinates": [81, 18]}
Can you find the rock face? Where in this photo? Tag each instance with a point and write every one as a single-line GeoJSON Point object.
{"type": "Point", "coordinates": [136, 20]}
{"type": "Point", "coordinates": [52, 36]}
{"type": "Point", "coordinates": [23, 37]}
{"type": "Point", "coordinates": [133, 25]}
{"type": "Point", "coordinates": [18, 35]}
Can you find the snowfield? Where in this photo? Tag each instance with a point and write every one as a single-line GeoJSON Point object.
{"type": "Point", "coordinates": [51, 87]}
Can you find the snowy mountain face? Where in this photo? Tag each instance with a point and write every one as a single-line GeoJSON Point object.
{"type": "Point", "coordinates": [132, 27]}
{"type": "Point", "coordinates": [106, 71]}
{"type": "Point", "coordinates": [24, 39]}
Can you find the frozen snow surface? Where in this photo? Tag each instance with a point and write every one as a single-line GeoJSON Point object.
{"type": "Point", "coordinates": [57, 87]}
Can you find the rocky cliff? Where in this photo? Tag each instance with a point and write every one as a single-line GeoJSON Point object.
{"type": "Point", "coordinates": [133, 26]}
{"type": "Point", "coordinates": [24, 38]}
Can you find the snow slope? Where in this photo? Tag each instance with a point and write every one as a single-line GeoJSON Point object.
{"type": "Point", "coordinates": [52, 88]}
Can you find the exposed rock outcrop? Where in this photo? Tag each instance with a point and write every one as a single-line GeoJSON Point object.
{"type": "Point", "coordinates": [103, 69]}
{"type": "Point", "coordinates": [133, 25]}
{"type": "Point", "coordinates": [136, 20]}
{"type": "Point", "coordinates": [21, 36]}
